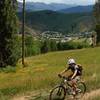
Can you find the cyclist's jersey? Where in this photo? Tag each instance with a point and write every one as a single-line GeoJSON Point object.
{"type": "Point", "coordinates": [74, 68]}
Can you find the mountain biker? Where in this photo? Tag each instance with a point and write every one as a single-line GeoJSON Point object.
{"type": "Point", "coordinates": [74, 76]}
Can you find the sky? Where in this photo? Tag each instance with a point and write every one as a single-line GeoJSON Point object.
{"type": "Point", "coordinates": [78, 2]}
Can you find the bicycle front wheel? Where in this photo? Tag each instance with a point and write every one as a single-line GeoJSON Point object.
{"type": "Point", "coordinates": [58, 93]}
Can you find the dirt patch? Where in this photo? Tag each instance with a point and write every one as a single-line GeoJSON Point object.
{"type": "Point", "coordinates": [37, 95]}
{"type": "Point", "coordinates": [91, 95]}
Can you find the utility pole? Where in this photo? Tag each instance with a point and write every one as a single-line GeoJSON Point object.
{"type": "Point", "coordinates": [23, 34]}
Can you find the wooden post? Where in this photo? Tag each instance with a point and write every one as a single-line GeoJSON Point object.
{"type": "Point", "coordinates": [23, 35]}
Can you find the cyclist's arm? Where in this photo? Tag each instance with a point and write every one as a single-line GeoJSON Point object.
{"type": "Point", "coordinates": [74, 74]}
{"type": "Point", "coordinates": [64, 71]}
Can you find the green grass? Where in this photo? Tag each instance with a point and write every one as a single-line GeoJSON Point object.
{"type": "Point", "coordinates": [41, 71]}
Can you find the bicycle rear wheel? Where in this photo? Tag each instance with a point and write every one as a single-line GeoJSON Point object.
{"type": "Point", "coordinates": [81, 89]}
{"type": "Point", "coordinates": [58, 93]}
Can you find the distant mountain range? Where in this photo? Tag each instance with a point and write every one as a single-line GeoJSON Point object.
{"type": "Point", "coordinates": [78, 9]}
{"type": "Point", "coordinates": [42, 17]}
{"type": "Point", "coordinates": [64, 8]}
{"type": "Point", "coordinates": [36, 6]}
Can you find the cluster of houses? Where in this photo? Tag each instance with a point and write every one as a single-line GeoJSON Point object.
{"type": "Point", "coordinates": [65, 37]}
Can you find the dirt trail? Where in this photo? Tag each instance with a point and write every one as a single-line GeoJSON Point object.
{"type": "Point", "coordinates": [44, 96]}
{"type": "Point", "coordinates": [36, 95]}
{"type": "Point", "coordinates": [91, 95]}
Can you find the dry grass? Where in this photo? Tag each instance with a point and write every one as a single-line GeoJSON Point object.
{"type": "Point", "coordinates": [41, 71]}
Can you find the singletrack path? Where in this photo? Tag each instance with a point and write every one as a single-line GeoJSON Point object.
{"type": "Point", "coordinates": [44, 96]}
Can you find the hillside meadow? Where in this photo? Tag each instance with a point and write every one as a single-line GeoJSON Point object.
{"type": "Point", "coordinates": [40, 72]}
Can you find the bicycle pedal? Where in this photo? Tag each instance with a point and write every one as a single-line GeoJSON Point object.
{"type": "Point", "coordinates": [78, 90]}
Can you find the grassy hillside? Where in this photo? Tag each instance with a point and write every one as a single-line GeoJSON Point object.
{"type": "Point", "coordinates": [41, 71]}
{"type": "Point", "coordinates": [28, 30]}
{"type": "Point", "coordinates": [55, 21]}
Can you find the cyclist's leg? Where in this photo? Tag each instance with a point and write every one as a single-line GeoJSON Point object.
{"type": "Point", "coordinates": [74, 84]}
{"type": "Point", "coordinates": [77, 78]}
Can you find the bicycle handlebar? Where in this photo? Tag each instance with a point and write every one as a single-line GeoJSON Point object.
{"type": "Point", "coordinates": [60, 76]}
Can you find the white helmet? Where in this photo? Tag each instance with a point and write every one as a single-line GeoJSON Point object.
{"type": "Point", "coordinates": [71, 61]}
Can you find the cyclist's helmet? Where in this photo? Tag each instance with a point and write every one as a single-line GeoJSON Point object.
{"type": "Point", "coordinates": [71, 61]}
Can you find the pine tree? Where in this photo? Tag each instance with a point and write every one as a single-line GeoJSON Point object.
{"type": "Point", "coordinates": [97, 11]}
{"type": "Point", "coordinates": [8, 27]}
{"type": "Point", "coordinates": [97, 17]}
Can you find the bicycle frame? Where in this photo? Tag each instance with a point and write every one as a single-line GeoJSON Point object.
{"type": "Point", "coordinates": [65, 83]}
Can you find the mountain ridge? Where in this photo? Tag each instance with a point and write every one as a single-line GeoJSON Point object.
{"type": "Point", "coordinates": [36, 6]}
{"type": "Point", "coordinates": [78, 9]}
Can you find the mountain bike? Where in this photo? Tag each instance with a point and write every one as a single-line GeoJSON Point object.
{"type": "Point", "coordinates": [65, 90]}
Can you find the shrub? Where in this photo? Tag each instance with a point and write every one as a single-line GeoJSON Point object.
{"type": "Point", "coordinates": [45, 47]}
{"type": "Point", "coordinates": [72, 45]}
{"type": "Point", "coordinates": [9, 69]}
{"type": "Point", "coordinates": [32, 47]}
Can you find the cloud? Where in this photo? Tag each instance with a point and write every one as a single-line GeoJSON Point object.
{"type": "Point", "coordinates": [46, 1]}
